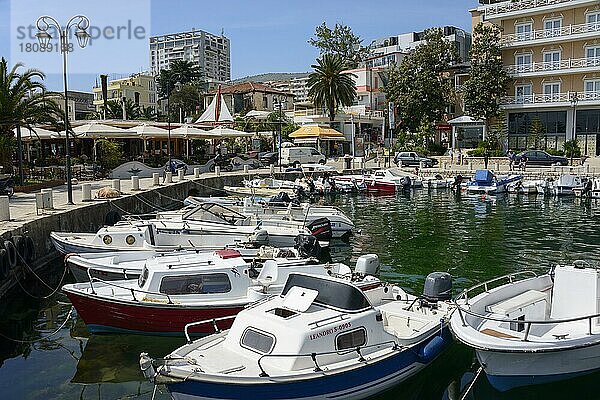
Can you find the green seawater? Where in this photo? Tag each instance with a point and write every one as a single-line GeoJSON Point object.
{"type": "Point", "coordinates": [414, 234]}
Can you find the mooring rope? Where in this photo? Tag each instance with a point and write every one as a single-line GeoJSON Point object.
{"type": "Point", "coordinates": [53, 290]}
{"type": "Point", "coordinates": [464, 395]}
{"type": "Point", "coordinates": [69, 314]}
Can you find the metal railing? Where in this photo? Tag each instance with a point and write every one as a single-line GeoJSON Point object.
{"type": "Point", "coordinates": [539, 98]}
{"type": "Point", "coordinates": [490, 284]}
{"type": "Point", "coordinates": [131, 290]}
{"type": "Point", "coordinates": [553, 65]}
{"type": "Point", "coordinates": [212, 321]}
{"type": "Point", "coordinates": [512, 6]}
{"type": "Point", "coordinates": [552, 33]}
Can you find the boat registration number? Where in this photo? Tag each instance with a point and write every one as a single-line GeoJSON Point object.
{"type": "Point", "coordinates": [330, 331]}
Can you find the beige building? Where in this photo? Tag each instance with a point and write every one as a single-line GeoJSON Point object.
{"type": "Point", "coordinates": [552, 50]}
{"type": "Point", "coordinates": [139, 88]}
{"type": "Point", "coordinates": [248, 96]}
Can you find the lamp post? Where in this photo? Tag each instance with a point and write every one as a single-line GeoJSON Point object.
{"type": "Point", "coordinates": [168, 94]}
{"type": "Point", "coordinates": [82, 23]}
{"type": "Point", "coordinates": [278, 105]}
{"type": "Point", "coordinates": [574, 101]}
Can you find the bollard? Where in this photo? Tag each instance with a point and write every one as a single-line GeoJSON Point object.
{"type": "Point", "coordinates": [246, 169]}
{"type": "Point", "coordinates": [180, 174]}
{"type": "Point", "coordinates": [116, 184]}
{"type": "Point", "coordinates": [272, 169]}
{"type": "Point", "coordinates": [497, 166]}
{"type": "Point", "coordinates": [168, 177]}
{"type": "Point", "coordinates": [4, 209]}
{"type": "Point", "coordinates": [218, 171]}
{"type": "Point", "coordinates": [587, 168]}
{"type": "Point", "coordinates": [48, 199]}
{"type": "Point", "coordinates": [135, 183]}
{"type": "Point", "coordinates": [156, 179]}
{"type": "Point", "coordinates": [86, 192]}
{"type": "Point", "coordinates": [196, 172]}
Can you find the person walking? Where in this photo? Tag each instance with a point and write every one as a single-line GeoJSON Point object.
{"type": "Point", "coordinates": [486, 158]}
{"type": "Point", "coordinates": [511, 159]}
{"type": "Point", "coordinates": [451, 154]}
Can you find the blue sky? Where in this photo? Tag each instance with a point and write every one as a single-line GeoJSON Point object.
{"type": "Point", "coordinates": [266, 35]}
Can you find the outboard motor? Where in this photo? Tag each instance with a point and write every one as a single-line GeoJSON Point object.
{"type": "Point", "coordinates": [320, 228]}
{"type": "Point", "coordinates": [367, 264]}
{"type": "Point", "coordinates": [457, 182]}
{"type": "Point", "coordinates": [307, 246]}
{"type": "Point", "coordinates": [406, 183]}
{"type": "Point", "coordinates": [259, 238]}
{"type": "Point", "coordinates": [282, 199]}
{"type": "Point", "coordinates": [438, 287]}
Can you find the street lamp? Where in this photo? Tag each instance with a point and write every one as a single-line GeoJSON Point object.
{"type": "Point", "coordinates": [574, 101]}
{"type": "Point", "coordinates": [82, 23]}
{"type": "Point", "coordinates": [278, 105]}
{"type": "Point", "coordinates": [168, 94]}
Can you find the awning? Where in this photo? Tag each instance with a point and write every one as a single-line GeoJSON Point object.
{"type": "Point", "coordinates": [222, 132]}
{"type": "Point", "coordinates": [189, 132]}
{"type": "Point", "coordinates": [96, 130]}
{"type": "Point", "coordinates": [317, 132]}
{"type": "Point", "coordinates": [146, 131]}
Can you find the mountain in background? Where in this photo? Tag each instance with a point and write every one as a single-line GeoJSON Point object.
{"type": "Point", "coordinates": [271, 77]}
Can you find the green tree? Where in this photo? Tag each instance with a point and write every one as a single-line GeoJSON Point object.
{"type": "Point", "coordinates": [187, 97]}
{"type": "Point", "coordinates": [537, 132]}
{"type": "Point", "coordinates": [114, 109]}
{"type": "Point", "coordinates": [180, 71]}
{"type": "Point", "coordinates": [497, 133]}
{"type": "Point", "coordinates": [340, 41]}
{"type": "Point", "coordinates": [488, 81]}
{"type": "Point", "coordinates": [148, 114]}
{"type": "Point", "coordinates": [111, 154]}
{"type": "Point", "coordinates": [329, 86]}
{"type": "Point", "coordinates": [23, 103]}
{"type": "Point", "coordinates": [418, 86]}
{"type": "Point", "coordinates": [572, 148]}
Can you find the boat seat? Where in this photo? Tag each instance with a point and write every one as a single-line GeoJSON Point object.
{"type": "Point", "coordinates": [512, 304]}
{"type": "Point", "coordinates": [401, 323]}
{"type": "Point", "coordinates": [268, 274]}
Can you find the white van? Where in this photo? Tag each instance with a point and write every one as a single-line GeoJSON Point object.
{"type": "Point", "coordinates": [301, 155]}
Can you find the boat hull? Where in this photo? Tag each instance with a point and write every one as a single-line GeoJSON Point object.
{"type": "Point", "coordinates": [365, 381]}
{"type": "Point", "coordinates": [108, 316]}
{"type": "Point", "coordinates": [507, 371]}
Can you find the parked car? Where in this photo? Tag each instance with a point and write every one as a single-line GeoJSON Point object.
{"type": "Point", "coordinates": [540, 157]}
{"type": "Point", "coordinates": [269, 158]}
{"type": "Point", "coordinates": [411, 158]}
{"type": "Point", "coordinates": [176, 165]}
{"type": "Point", "coordinates": [301, 155]}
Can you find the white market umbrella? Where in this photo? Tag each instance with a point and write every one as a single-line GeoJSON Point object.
{"type": "Point", "coordinates": [189, 132]}
{"type": "Point", "coordinates": [224, 133]}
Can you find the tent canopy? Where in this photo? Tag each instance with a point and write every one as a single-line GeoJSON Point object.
{"type": "Point", "coordinates": [217, 111]}
{"type": "Point", "coordinates": [97, 130]}
{"type": "Point", "coordinates": [146, 131]}
{"type": "Point", "coordinates": [317, 132]}
{"type": "Point", "coordinates": [38, 134]}
{"type": "Point", "coordinates": [224, 132]}
{"type": "Point", "coordinates": [190, 132]}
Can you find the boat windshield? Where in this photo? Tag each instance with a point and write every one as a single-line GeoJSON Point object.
{"type": "Point", "coordinates": [397, 173]}
{"type": "Point", "coordinates": [331, 293]}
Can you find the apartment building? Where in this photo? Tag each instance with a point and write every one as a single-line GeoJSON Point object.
{"type": "Point", "coordinates": [552, 50]}
{"type": "Point", "coordinates": [139, 88]}
{"type": "Point", "coordinates": [297, 86]}
{"type": "Point", "coordinates": [211, 53]}
{"type": "Point", "coordinates": [248, 96]}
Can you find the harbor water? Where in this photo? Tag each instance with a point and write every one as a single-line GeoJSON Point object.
{"type": "Point", "coordinates": [47, 353]}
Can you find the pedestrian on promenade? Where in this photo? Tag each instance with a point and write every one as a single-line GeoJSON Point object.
{"type": "Point", "coordinates": [451, 154]}
{"type": "Point", "coordinates": [511, 159]}
{"type": "Point", "coordinates": [486, 158]}
{"type": "Point", "coordinates": [523, 163]}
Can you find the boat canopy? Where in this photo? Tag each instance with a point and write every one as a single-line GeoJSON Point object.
{"type": "Point", "coordinates": [332, 293]}
{"type": "Point", "coordinates": [484, 176]}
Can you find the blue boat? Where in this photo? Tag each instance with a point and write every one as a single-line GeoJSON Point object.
{"type": "Point", "coordinates": [485, 181]}
{"type": "Point", "coordinates": [322, 337]}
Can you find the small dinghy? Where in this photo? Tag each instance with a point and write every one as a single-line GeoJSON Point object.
{"type": "Point", "coordinates": [529, 329]}
{"type": "Point", "coordinates": [322, 337]}
{"type": "Point", "coordinates": [176, 290]}
{"type": "Point", "coordinates": [486, 182]}
{"type": "Point", "coordinates": [565, 184]}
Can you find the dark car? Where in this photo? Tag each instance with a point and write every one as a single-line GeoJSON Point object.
{"type": "Point", "coordinates": [269, 158]}
{"type": "Point", "coordinates": [176, 165]}
{"type": "Point", "coordinates": [413, 159]}
{"type": "Point", "coordinates": [540, 157]}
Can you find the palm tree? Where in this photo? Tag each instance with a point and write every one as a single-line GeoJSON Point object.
{"type": "Point", "coordinates": [114, 109]}
{"type": "Point", "coordinates": [148, 114]}
{"type": "Point", "coordinates": [23, 103]}
{"type": "Point", "coordinates": [329, 86]}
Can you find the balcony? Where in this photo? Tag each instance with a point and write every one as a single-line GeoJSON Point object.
{"type": "Point", "coordinates": [549, 100]}
{"type": "Point", "coordinates": [568, 32]}
{"type": "Point", "coordinates": [513, 8]}
{"type": "Point", "coordinates": [569, 66]}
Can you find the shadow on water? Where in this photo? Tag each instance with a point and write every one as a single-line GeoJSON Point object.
{"type": "Point", "coordinates": [414, 233]}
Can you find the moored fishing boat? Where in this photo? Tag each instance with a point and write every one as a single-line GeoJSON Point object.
{"type": "Point", "coordinates": [486, 182]}
{"type": "Point", "coordinates": [565, 184]}
{"type": "Point", "coordinates": [322, 337]}
{"type": "Point", "coordinates": [529, 329]}
{"type": "Point", "coordinates": [176, 291]}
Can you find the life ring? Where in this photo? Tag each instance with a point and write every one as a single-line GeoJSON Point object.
{"type": "Point", "coordinates": [3, 264]}
{"type": "Point", "coordinates": [19, 242]}
{"type": "Point", "coordinates": [11, 253]}
{"type": "Point", "coordinates": [29, 249]}
{"type": "Point", "coordinates": [112, 217]}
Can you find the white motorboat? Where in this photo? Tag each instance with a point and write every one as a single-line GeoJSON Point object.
{"type": "Point", "coordinates": [536, 186]}
{"type": "Point", "coordinates": [435, 182]}
{"type": "Point", "coordinates": [529, 329]}
{"type": "Point", "coordinates": [175, 290]}
{"type": "Point", "coordinates": [322, 337]}
{"type": "Point", "coordinates": [486, 182]}
{"type": "Point", "coordinates": [565, 184]}
{"type": "Point", "coordinates": [389, 180]}
{"type": "Point", "coordinates": [304, 214]}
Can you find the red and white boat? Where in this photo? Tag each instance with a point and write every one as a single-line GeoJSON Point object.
{"type": "Point", "coordinates": [171, 293]}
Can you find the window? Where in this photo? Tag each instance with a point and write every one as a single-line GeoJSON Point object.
{"type": "Point", "coordinates": [195, 284]}
{"type": "Point", "coordinates": [552, 91]}
{"type": "Point", "coordinates": [593, 20]}
{"type": "Point", "coordinates": [552, 60]}
{"type": "Point", "coordinates": [552, 27]}
{"type": "Point", "coordinates": [592, 55]}
{"type": "Point", "coordinates": [523, 31]}
{"type": "Point", "coordinates": [523, 62]}
{"type": "Point", "coordinates": [592, 89]}
{"type": "Point", "coordinates": [351, 340]}
{"type": "Point", "coordinates": [257, 341]}
{"type": "Point", "coordinates": [523, 94]}
{"type": "Point", "coordinates": [314, 152]}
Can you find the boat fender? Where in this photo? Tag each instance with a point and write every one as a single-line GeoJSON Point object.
{"type": "Point", "coordinates": [3, 264]}
{"type": "Point", "coordinates": [19, 242]}
{"type": "Point", "coordinates": [11, 253]}
{"type": "Point", "coordinates": [29, 249]}
{"type": "Point", "coordinates": [432, 349]}
{"type": "Point", "coordinates": [112, 217]}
